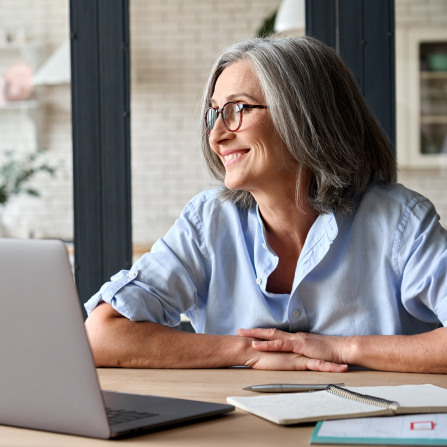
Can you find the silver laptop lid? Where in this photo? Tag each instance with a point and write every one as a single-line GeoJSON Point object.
{"type": "Point", "coordinates": [47, 375]}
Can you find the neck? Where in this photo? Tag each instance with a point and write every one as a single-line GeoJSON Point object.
{"type": "Point", "coordinates": [284, 221]}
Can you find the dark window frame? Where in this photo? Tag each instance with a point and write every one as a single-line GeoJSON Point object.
{"type": "Point", "coordinates": [362, 31]}
{"type": "Point", "coordinates": [100, 69]}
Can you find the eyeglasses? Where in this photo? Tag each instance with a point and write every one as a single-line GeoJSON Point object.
{"type": "Point", "coordinates": [231, 116]}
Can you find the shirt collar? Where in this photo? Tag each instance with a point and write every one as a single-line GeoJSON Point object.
{"type": "Point", "coordinates": [325, 223]}
{"type": "Point", "coordinates": [261, 224]}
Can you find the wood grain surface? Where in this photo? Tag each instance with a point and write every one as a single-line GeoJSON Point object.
{"type": "Point", "coordinates": [234, 429]}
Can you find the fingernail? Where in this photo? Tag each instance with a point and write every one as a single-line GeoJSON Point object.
{"type": "Point", "coordinates": [344, 366]}
{"type": "Point", "coordinates": [256, 343]}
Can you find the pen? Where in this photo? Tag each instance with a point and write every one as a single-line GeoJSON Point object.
{"type": "Point", "coordinates": [289, 387]}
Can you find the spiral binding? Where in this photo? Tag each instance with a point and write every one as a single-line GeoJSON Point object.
{"type": "Point", "coordinates": [334, 389]}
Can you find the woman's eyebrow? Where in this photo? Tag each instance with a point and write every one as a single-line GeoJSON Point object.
{"type": "Point", "coordinates": [235, 96]}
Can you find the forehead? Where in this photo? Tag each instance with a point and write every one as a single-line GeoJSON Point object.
{"type": "Point", "coordinates": [237, 78]}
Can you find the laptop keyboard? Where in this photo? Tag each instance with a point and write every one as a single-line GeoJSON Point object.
{"type": "Point", "coordinates": [116, 416]}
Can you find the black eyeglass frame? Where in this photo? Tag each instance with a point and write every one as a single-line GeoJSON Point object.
{"type": "Point", "coordinates": [241, 108]}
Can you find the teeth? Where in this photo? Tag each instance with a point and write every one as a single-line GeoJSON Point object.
{"type": "Point", "coordinates": [232, 156]}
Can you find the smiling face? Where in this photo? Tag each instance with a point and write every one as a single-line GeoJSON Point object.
{"type": "Point", "coordinates": [255, 158]}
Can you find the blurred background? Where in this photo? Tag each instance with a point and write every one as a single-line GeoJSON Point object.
{"type": "Point", "coordinates": [173, 46]}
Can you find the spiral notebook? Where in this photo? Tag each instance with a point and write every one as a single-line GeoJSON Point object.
{"type": "Point", "coordinates": [342, 403]}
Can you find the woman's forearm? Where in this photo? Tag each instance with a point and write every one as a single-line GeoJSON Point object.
{"type": "Point", "coordinates": [423, 353]}
{"type": "Point", "coordinates": [119, 342]}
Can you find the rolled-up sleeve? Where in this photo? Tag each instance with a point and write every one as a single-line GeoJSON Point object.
{"type": "Point", "coordinates": [422, 263]}
{"type": "Point", "coordinates": [170, 280]}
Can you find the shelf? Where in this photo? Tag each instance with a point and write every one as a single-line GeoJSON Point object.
{"type": "Point", "coordinates": [20, 105]}
{"type": "Point", "coordinates": [433, 74]}
{"type": "Point", "coordinates": [434, 119]}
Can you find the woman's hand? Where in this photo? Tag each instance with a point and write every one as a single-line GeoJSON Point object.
{"type": "Point", "coordinates": [298, 351]}
{"type": "Point", "coordinates": [291, 362]}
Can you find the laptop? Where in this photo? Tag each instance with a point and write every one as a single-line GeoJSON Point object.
{"type": "Point", "coordinates": [48, 379]}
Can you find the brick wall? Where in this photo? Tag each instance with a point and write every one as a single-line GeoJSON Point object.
{"type": "Point", "coordinates": [419, 13]}
{"type": "Point", "coordinates": [174, 43]}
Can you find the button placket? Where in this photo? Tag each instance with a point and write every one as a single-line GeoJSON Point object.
{"type": "Point", "coordinates": [297, 315]}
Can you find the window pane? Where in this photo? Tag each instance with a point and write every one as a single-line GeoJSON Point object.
{"type": "Point", "coordinates": [35, 115]}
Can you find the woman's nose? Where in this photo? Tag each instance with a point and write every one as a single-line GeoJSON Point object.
{"type": "Point", "coordinates": [220, 132]}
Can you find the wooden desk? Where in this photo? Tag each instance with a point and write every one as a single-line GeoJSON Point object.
{"type": "Point", "coordinates": [235, 429]}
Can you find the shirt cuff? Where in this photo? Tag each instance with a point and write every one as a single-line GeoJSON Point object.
{"type": "Point", "coordinates": [108, 290]}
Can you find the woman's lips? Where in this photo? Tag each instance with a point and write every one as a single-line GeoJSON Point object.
{"type": "Point", "coordinates": [235, 156]}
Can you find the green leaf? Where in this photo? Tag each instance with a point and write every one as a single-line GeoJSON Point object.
{"type": "Point", "coordinates": [32, 192]}
{"type": "Point", "coordinates": [17, 171]}
{"type": "Point", "coordinates": [268, 26]}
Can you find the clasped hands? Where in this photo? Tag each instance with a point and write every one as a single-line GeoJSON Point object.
{"type": "Point", "coordinates": [277, 350]}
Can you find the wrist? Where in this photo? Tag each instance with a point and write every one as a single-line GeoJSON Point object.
{"type": "Point", "coordinates": [351, 347]}
{"type": "Point", "coordinates": [243, 351]}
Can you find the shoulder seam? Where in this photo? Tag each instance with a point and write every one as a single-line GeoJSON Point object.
{"type": "Point", "coordinates": [411, 203]}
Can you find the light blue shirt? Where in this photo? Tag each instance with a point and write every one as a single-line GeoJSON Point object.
{"type": "Point", "coordinates": [380, 270]}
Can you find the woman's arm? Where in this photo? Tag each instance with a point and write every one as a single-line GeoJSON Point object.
{"type": "Point", "coordinates": [119, 342]}
{"type": "Point", "coordinates": [423, 353]}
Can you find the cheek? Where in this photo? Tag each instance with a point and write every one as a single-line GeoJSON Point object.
{"type": "Point", "coordinates": [214, 150]}
{"type": "Point", "coordinates": [262, 131]}
{"type": "Point", "coordinates": [257, 120]}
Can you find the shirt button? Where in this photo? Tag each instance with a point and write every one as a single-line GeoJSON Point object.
{"type": "Point", "coordinates": [131, 275]}
{"type": "Point", "coordinates": [296, 314]}
{"type": "Point", "coordinates": [258, 281]}
{"type": "Point", "coordinates": [264, 246]}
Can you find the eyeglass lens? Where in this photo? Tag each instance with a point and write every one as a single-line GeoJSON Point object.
{"type": "Point", "coordinates": [231, 114]}
{"type": "Point", "coordinates": [210, 119]}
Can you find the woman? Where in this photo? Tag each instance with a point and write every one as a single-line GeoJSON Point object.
{"type": "Point", "coordinates": [308, 236]}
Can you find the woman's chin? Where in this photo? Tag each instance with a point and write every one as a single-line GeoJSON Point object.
{"type": "Point", "coordinates": [233, 184]}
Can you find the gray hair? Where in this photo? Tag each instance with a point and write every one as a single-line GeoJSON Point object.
{"type": "Point", "coordinates": [319, 113]}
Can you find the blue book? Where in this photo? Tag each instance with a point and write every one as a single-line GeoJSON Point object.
{"type": "Point", "coordinates": [415, 429]}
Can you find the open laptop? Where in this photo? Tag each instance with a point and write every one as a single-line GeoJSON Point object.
{"type": "Point", "coordinates": [47, 376]}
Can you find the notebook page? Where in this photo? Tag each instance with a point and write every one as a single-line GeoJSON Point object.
{"type": "Point", "coordinates": [429, 397]}
{"type": "Point", "coordinates": [304, 407]}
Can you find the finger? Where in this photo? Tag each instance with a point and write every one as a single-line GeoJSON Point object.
{"type": "Point", "coordinates": [321, 365]}
{"type": "Point", "coordinates": [278, 362]}
{"type": "Point", "coordinates": [274, 345]}
{"type": "Point", "coordinates": [264, 334]}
